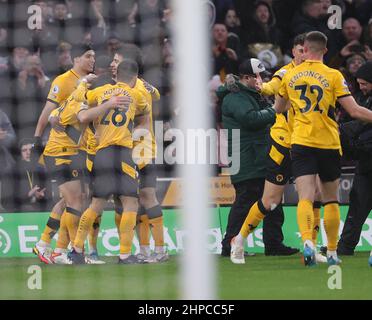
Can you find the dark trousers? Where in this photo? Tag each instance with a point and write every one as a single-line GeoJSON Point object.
{"type": "Point", "coordinates": [359, 208]}
{"type": "Point", "coordinates": [246, 194]}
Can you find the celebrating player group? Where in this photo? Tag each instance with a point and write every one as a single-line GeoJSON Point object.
{"type": "Point", "coordinates": [89, 155]}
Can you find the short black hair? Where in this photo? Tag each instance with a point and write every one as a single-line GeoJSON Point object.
{"type": "Point", "coordinates": [78, 50]}
{"type": "Point", "coordinates": [127, 69]}
{"type": "Point", "coordinates": [299, 39]}
{"type": "Point", "coordinates": [318, 39]}
{"type": "Point", "coordinates": [25, 141]}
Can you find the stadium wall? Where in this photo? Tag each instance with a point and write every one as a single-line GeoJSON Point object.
{"type": "Point", "coordinates": [20, 231]}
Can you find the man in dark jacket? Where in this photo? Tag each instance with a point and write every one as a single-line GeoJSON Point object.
{"type": "Point", "coordinates": [360, 196]}
{"type": "Point", "coordinates": [247, 111]}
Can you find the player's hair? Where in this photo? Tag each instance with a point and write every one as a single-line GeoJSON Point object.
{"type": "Point", "coordinates": [317, 41]}
{"type": "Point", "coordinates": [127, 69]}
{"type": "Point", "coordinates": [79, 49]}
{"type": "Point", "coordinates": [299, 39]}
{"type": "Point", "coordinates": [132, 52]}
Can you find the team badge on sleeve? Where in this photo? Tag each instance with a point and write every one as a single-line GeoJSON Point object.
{"type": "Point", "coordinates": [55, 89]}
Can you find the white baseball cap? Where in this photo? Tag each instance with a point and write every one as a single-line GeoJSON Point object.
{"type": "Point", "coordinates": [251, 66]}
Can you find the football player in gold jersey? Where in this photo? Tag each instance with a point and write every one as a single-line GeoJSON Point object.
{"type": "Point", "coordinates": [313, 89]}
{"type": "Point", "coordinates": [64, 164]}
{"type": "Point", "coordinates": [151, 215]}
{"type": "Point", "coordinates": [61, 88]}
{"type": "Point", "coordinates": [114, 169]}
{"type": "Point", "coordinates": [89, 143]}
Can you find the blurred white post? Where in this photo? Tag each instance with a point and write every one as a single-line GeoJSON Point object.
{"type": "Point", "coordinates": [191, 72]}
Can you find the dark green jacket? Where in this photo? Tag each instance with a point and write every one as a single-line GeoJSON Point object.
{"type": "Point", "coordinates": [245, 110]}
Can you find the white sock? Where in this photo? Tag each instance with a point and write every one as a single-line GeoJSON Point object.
{"type": "Point", "coordinates": [309, 243]}
{"type": "Point", "coordinates": [159, 249]}
{"type": "Point", "coordinates": [124, 255]}
{"type": "Point", "coordinates": [331, 253]}
{"type": "Point", "coordinates": [239, 240]}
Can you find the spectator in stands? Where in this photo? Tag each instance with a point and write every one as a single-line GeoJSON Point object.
{"type": "Point", "coordinates": [263, 37]}
{"type": "Point", "coordinates": [309, 18]}
{"type": "Point", "coordinates": [359, 9]}
{"type": "Point", "coordinates": [325, 4]}
{"type": "Point", "coordinates": [64, 61]}
{"type": "Point", "coordinates": [352, 31]}
{"type": "Point", "coordinates": [113, 43]}
{"type": "Point", "coordinates": [30, 192]}
{"type": "Point", "coordinates": [45, 40]}
{"type": "Point", "coordinates": [225, 52]}
{"type": "Point", "coordinates": [353, 63]}
{"type": "Point", "coordinates": [222, 6]}
{"type": "Point", "coordinates": [119, 19]}
{"type": "Point", "coordinates": [32, 90]}
{"type": "Point", "coordinates": [360, 196]}
{"type": "Point", "coordinates": [78, 23]}
{"type": "Point", "coordinates": [18, 58]}
{"type": "Point", "coordinates": [99, 24]}
{"type": "Point", "coordinates": [348, 43]}
{"type": "Point", "coordinates": [59, 25]}
{"type": "Point", "coordinates": [8, 87]}
{"type": "Point", "coordinates": [312, 16]}
{"type": "Point", "coordinates": [232, 23]}
{"type": "Point", "coordinates": [262, 28]}
{"type": "Point", "coordinates": [7, 140]}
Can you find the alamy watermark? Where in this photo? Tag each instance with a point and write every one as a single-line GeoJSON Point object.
{"type": "Point", "coordinates": [34, 21]}
{"type": "Point", "coordinates": [335, 20]}
{"type": "Point", "coordinates": [335, 280]}
{"type": "Point", "coordinates": [193, 146]}
{"type": "Point", "coordinates": [34, 282]}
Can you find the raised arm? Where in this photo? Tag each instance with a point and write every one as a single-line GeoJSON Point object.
{"type": "Point", "coordinates": [43, 119]}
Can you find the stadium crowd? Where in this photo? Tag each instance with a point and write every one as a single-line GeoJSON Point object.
{"type": "Point", "coordinates": [31, 58]}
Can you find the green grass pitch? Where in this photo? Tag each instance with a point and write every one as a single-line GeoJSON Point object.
{"type": "Point", "coordinates": [260, 278]}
